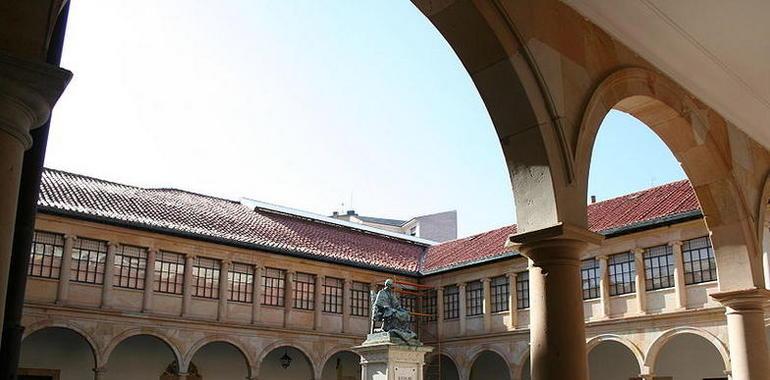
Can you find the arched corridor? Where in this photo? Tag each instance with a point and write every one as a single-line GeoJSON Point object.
{"type": "Point", "coordinates": [688, 356]}
{"type": "Point", "coordinates": [343, 365]}
{"type": "Point", "coordinates": [490, 365]}
{"type": "Point", "coordinates": [58, 351]}
{"type": "Point", "coordinates": [611, 360]}
{"type": "Point", "coordinates": [139, 356]}
{"type": "Point", "coordinates": [286, 363]}
{"type": "Point", "coordinates": [220, 360]}
{"type": "Point", "coordinates": [440, 367]}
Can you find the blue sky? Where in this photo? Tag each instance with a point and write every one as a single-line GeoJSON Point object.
{"type": "Point", "coordinates": [314, 105]}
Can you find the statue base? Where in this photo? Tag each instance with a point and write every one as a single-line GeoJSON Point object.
{"type": "Point", "coordinates": [383, 360]}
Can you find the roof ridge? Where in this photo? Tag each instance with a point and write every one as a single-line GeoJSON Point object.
{"type": "Point", "coordinates": [47, 169]}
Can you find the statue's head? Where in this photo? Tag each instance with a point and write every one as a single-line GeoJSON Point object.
{"type": "Point", "coordinates": [388, 283]}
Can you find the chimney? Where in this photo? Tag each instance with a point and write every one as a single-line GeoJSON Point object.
{"type": "Point", "coordinates": [351, 212]}
{"type": "Point", "coordinates": [335, 213]}
{"type": "Point", "coordinates": [593, 199]}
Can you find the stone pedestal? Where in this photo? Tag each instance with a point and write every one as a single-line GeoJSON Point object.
{"type": "Point", "coordinates": [383, 360]}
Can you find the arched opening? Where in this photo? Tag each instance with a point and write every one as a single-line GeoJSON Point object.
{"type": "Point", "coordinates": [440, 367]}
{"type": "Point", "coordinates": [286, 363]}
{"type": "Point", "coordinates": [343, 365]}
{"type": "Point", "coordinates": [610, 360]}
{"type": "Point", "coordinates": [58, 352]}
{"type": "Point", "coordinates": [220, 360]}
{"type": "Point", "coordinates": [689, 356]}
{"type": "Point", "coordinates": [490, 365]}
{"type": "Point", "coordinates": [141, 357]}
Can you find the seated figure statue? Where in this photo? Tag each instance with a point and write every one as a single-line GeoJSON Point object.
{"type": "Point", "coordinates": [394, 317]}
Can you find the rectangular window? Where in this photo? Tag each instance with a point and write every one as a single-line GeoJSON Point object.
{"type": "Point", "coordinates": [169, 273]}
{"type": "Point", "coordinates": [451, 302]}
{"type": "Point", "coordinates": [429, 304]}
{"type": "Point", "coordinates": [500, 288]}
{"type": "Point", "coordinates": [658, 267]}
{"type": "Point", "coordinates": [622, 272]}
{"type": "Point", "coordinates": [45, 255]}
{"type": "Point", "coordinates": [474, 298]}
{"type": "Point", "coordinates": [205, 277]}
{"type": "Point", "coordinates": [698, 258]}
{"type": "Point", "coordinates": [240, 282]}
{"type": "Point", "coordinates": [522, 290]}
{"type": "Point", "coordinates": [88, 257]}
{"type": "Point", "coordinates": [360, 301]}
{"type": "Point", "coordinates": [333, 295]}
{"type": "Point", "coordinates": [589, 272]}
{"type": "Point", "coordinates": [304, 291]}
{"type": "Point", "coordinates": [409, 302]}
{"type": "Point", "coordinates": [273, 286]}
{"type": "Point", "coordinates": [130, 267]}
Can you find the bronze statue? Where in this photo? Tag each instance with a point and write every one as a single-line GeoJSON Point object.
{"type": "Point", "coordinates": [394, 317]}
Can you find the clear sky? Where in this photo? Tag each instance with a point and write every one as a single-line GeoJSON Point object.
{"type": "Point", "coordinates": [320, 106]}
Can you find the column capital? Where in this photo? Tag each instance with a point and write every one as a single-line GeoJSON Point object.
{"type": "Point", "coordinates": [190, 256]}
{"type": "Point", "coordinates": [70, 237]}
{"type": "Point", "coordinates": [113, 244]}
{"type": "Point", "coordinates": [512, 275]}
{"type": "Point", "coordinates": [153, 250]}
{"type": "Point", "coordinates": [637, 251]}
{"type": "Point", "coordinates": [754, 299]}
{"type": "Point", "coordinates": [29, 92]}
{"type": "Point", "coordinates": [462, 285]}
{"type": "Point", "coordinates": [578, 238]}
{"type": "Point", "coordinates": [486, 280]}
{"type": "Point", "coordinates": [675, 243]}
{"type": "Point", "coordinates": [602, 257]}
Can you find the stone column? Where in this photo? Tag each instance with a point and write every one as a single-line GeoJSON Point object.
{"type": "Point", "coordinates": [641, 292]}
{"type": "Point", "coordinates": [463, 312]}
{"type": "Point", "coordinates": [100, 373]}
{"type": "Point", "coordinates": [318, 315]}
{"type": "Point", "coordinates": [486, 282]}
{"type": "Point", "coordinates": [109, 274]}
{"type": "Point", "coordinates": [288, 297]}
{"type": "Point", "coordinates": [149, 280]}
{"type": "Point", "coordinates": [440, 311]}
{"type": "Point", "coordinates": [28, 92]}
{"type": "Point", "coordinates": [65, 271]}
{"type": "Point", "coordinates": [256, 299]}
{"type": "Point", "coordinates": [187, 288]}
{"type": "Point", "coordinates": [557, 327]}
{"type": "Point", "coordinates": [513, 300]}
{"type": "Point", "coordinates": [346, 296]}
{"type": "Point", "coordinates": [766, 251]}
{"type": "Point", "coordinates": [604, 287]}
{"type": "Point", "coordinates": [223, 291]}
{"type": "Point", "coordinates": [679, 286]}
{"type": "Point", "coordinates": [749, 355]}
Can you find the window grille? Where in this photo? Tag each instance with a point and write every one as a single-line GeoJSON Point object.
{"type": "Point", "coordinates": [500, 289]}
{"type": "Point", "coordinates": [45, 255]}
{"type": "Point", "coordinates": [522, 290]}
{"type": "Point", "coordinates": [698, 258]}
{"type": "Point", "coordinates": [205, 274]}
{"type": "Point", "coordinates": [430, 303]}
{"type": "Point", "coordinates": [589, 272]}
{"type": "Point", "coordinates": [304, 291]}
{"type": "Point", "coordinates": [451, 302]}
{"type": "Point", "coordinates": [274, 287]}
{"type": "Point", "coordinates": [130, 267]}
{"type": "Point", "coordinates": [622, 273]}
{"type": "Point", "coordinates": [658, 267]}
{"type": "Point", "coordinates": [88, 257]}
{"type": "Point", "coordinates": [240, 281]}
{"type": "Point", "coordinates": [169, 273]}
{"type": "Point", "coordinates": [409, 302]}
{"type": "Point", "coordinates": [333, 295]}
{"type": "Point", "coordinates": [474, 298]}
{"type": "Point", "coordinates": [360, 299]}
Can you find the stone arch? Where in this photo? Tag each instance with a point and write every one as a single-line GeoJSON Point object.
{"type": "Point", "coordinates": [282, 343]}
{"type": "Point", "coordinates": [522, 365]}
{"type": "Point", "coordinates": [479, 351]}
{"type": "Point", "coordinates": [188, 356]}
{"type": "Point", "coordinates": [695, 135]}
{"type": "Point", "coordinates": [328, 356]}
{"type": "Point", "coordinates": [666, 336]}
{"type": "Point", "coordinates": [115, 341]}
{"type": "Point", "coordinates": [99, 359]}
{"type": "Point", "coordinates": [597, 340]}
{"type": "Point", "coordinates": [436, 355]}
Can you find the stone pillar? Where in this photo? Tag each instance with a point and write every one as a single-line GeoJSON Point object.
{"type": "Point", "coordinates": [749, 355]}
{"type": "Point", "coordinates": [440, 311]}
{"type": "Point", "coordinates": [223, 291]}
{"type": "Point", "coordinates": [513, 300]}
{"type": "Point", "coordinates": [256, 298]}
{"type": "Point", "coordinates": [486, 282]}
{"type": "Point", "coordinates": [641, 292]}
{"type": "Point", "coordinates": [28, 92]}
{"type": "Point", "coordinates": [557, 326]}
{"type": "Point", "coordinates": [65, 271]}
{"type": "Point", "coordinates": [604, 287]}
{"type": "Point", "coordinates": [288, 297]}
{"type": "Point", "coordinates": [346, 296]}
{"type": "Point", "coordinates": [149, 280]}
{"type": "Point", "coordinates": [766, 251]}
{"type": "Point", "coordinates": [463, 311]}
{"type": "Point", "coordinates": [680, 288]}
{"type": "Point", "coordinates": [109, 274]}
{"type": "Point", "coordinates": [187, 288]}
{"type": "Point", "coordinates": [387, 361]}
{"type": "Point", "coordinates": [318, 315]}
{"type": "Point", "coordinates": [100, 373]}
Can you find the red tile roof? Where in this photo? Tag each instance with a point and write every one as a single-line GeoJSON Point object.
{"type": "Point", "coordinates": [225, 221]}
